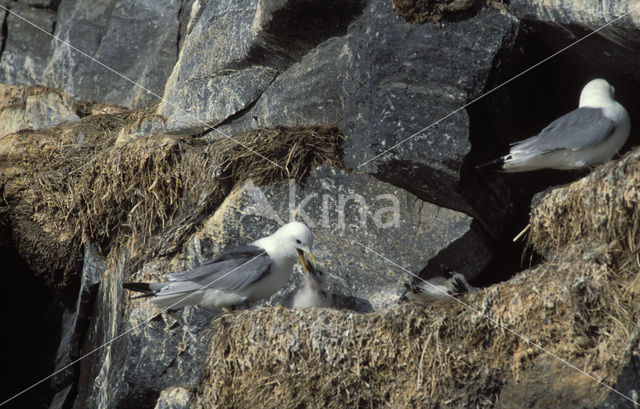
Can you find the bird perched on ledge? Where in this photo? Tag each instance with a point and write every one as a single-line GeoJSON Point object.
{"type": "Point", "coordinates": [239, 276]}
{"type": "Point", "coordinates": [437, 288]}
{"type": "Point", "coordinates": [586, 136]}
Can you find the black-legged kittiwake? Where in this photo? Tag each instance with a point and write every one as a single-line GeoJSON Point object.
{"type": "Point", "coordinates": [312, 292]}
{"type": "Point", "coordinates": [437, 288]}
{"type": "Point", "coordinates": [586, 136]}
{"type": "Point", "coordinates": [241, 275]}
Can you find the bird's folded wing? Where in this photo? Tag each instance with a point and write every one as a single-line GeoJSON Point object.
{"type": "Point", "coordinates": [233, 270]}
{"type": "Point", "coordinates": [579, 129]}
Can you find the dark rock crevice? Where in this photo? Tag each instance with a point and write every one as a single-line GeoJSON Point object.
{"type": "Point", "coordinates": [426, 183]}
{"type": "Point", "coordinates": [298, 28]}
{"type": "Point", "coordinates": [522, 108]}
{"type": "Point", "coordinates": [527, 104]}
{"type": "Point", "coordinates": [51, 5]}
{"type": "Point", "coordinates": [179, 32]}
{"type": "Point", "coordinates": [32, 332]}
{"type": "Point", "coordinates": [239, 114]}
{"type": "Point", "coordinates": [4, 32]}
{"type": "Point", "coordinates": [449, 259]}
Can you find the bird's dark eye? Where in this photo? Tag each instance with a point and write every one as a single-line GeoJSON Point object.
{"type": "Point", "coordinates": [298, 241]}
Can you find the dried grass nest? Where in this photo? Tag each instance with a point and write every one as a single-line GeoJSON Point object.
{"type": "Point", "coordinates": [148, 193]}
{"type": "Point", "coordinates": [580, 304]}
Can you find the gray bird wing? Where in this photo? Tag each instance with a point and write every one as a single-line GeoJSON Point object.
{"type": "Point", "coordinates": [233, 270]}
{"type": "Point", "coordinates": [579, 129]}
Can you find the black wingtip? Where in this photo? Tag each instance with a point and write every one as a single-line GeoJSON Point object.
{"type": "Point", "coordinates": [495, 165]}
{"type": "Point", "coordinates": [408, 289]}
{"type": "Point", "coordinates": [459, 286]}
{"type": "Point", "coordinates": [144, 288]}
{"type": "Point", "coordinates": [139, 287]}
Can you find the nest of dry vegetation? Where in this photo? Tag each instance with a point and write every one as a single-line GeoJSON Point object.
{"type": "Point", "coordinates": [580, 304]}
{"type": "Point", "coordinates": [603, 207]}
{"type": "Point", "coordinates": [70, 183]}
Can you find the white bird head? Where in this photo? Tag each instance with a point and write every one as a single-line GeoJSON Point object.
{"type": "Point", "coordinates": [597, 93]}
{"type": "Point", "coordinates": [297, 240]}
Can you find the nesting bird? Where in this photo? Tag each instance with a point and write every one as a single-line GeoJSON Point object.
{"type": "Point", "coordinates": [438, 288]}
{"type": "Point", "coordinates": [312, 293]}
{"type": "Point", "coordinates": [586, 136]}
{"type": "Point", "coordinates": [239, 276]}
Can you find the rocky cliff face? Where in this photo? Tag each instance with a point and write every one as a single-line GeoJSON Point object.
{"type": "Point", "coordinates": [150, 136]}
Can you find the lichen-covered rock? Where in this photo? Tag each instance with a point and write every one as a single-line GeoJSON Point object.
{"type": "Point", "coordinates": [382, 82]}
{"type": "Point", "coordinates": [248, 43]}
{"type": "Point", "coordinates": [144, 352]}
{"type": "Point", "coordinates": [204, 103]}
{"type": "Point", "coordinates": [27, 49]}
{"type": "Point", "coordinates": [33, 107]}
{"type": "Point", "coordinates": [204, 90]}
{"type": "Point", "coordinates": [36, 107]}
{"type": "Point", "coordinates": [111, 183]}
{"type": "Point", "coordinates": [128, 41]}
{"type": "Point", "coordinates": [174, 398]}
{"type": "Point", "coordinates": [75, 319]}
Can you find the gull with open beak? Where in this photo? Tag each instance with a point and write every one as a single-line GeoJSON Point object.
{"type": "Point", "coordinates": [244, 274]}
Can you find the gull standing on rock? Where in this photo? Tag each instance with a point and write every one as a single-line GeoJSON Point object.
{"type": "Point", "coordinates": [586, 136]}
{"type": "Point", "coordinates": [241, 275]}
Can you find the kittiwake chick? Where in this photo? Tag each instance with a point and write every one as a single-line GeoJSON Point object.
{"type": "Point", "coordinates": [437, 288]}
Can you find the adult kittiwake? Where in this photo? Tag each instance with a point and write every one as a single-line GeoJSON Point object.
{"type": "Point", "coordinates": [584, 137]}
{"type": "Point", "coordinates": [241, 275]}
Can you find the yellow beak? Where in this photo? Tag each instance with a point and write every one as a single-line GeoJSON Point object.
{"type": "Point", "coordinates": [313, 259]}
{"type": "Point", "coordinates": [303, 261]}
